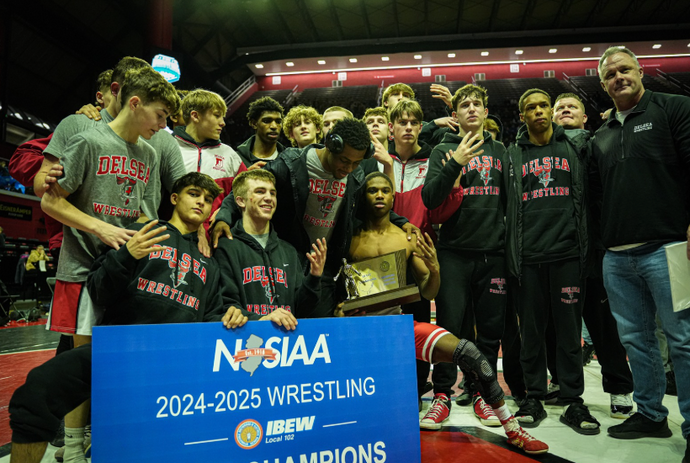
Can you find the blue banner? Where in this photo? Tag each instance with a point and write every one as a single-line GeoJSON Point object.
{"type": "Point", "coordinates": [332, 391]}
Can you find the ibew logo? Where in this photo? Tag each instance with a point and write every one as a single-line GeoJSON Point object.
{"type": "Point", "coordinates": [276, 427]}
{"type": "Point", "coordinates": [283, 354]}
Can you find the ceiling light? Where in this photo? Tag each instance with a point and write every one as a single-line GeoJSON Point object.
{"type": "Point", "coordinates": [417, 56]}
{"type": "Point", "coordinates": [656, 46]}
{"type": "Point", "coordinates": [321, 61]}
{"type": "Point", "coordinates": [353, 60]}
{"type": "Point", "coordinates": [485, 53]}
{"type": "Point", "coordinates": [289, 64]}
{"type": "Point", "coordinates": [553, 50]}
{"type": "Point", "coordinates": [519, 52]}
{"type": "Point", "coordinates": [621, 46]}
{"type": "Point", "coordinates": [587, 49]}
{"type": "Point", "coordinates": [452, 55]}
{"type": "Point", "coordinates": [385, 58]}
{"type": "Point", "coordinates": [259, 66]}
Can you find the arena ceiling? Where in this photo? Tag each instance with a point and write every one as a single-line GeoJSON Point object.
{"type": "Point", "coordinates": [52, 50]}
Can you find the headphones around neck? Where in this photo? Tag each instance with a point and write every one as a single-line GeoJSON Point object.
{"type": "Point", "coordinates": [335, 144]}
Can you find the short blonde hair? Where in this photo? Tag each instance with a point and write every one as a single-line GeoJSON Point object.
{"type": "Point", "coordinates": [338, 108]}
{"type": "Point", "coordinates": [373, 112]}
{"type": "Point", "coordinates": [201, 100]}
{"type": "Point", "coordinates": [396, 88]}
{"type": "Point", "coordinates": [411, 107]}
{"type": "Point", "coordinates": [468, 91]}
{"type": "Point", "coordinates": [239, 185]}
{"type": "Point", "coordinates": [294, 117]}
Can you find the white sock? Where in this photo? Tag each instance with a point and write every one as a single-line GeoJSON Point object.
{"type": "Point", "coordinates": [509, 423]}
{"type": "Point", "coordinates": [74, 445]}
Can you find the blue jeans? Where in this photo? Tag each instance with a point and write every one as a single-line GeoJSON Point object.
{"type": "Point", "coordinates": [638, 287]}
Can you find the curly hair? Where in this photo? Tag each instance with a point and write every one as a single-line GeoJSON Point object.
{"type": "Point", "coordinates": [294, 117]}
{"type": "Point", "coordinates": [262, 105]}
{"type": "Point", "coordinates": [354, 132]}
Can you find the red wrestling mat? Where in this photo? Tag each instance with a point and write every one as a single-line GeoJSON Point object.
{"type": "Point", "coordinates": [473, 444]}
{"type": "Point", "coordinates": [18, 324]}
{"type": "Point", "coordinates": [13, 371]}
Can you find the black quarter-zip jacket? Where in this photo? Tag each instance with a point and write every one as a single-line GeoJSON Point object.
{"type": "Point", "coordinates": [644, 166]}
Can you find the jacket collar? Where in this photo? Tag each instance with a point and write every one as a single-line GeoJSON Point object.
{"type": "Point", "coordinates": [639, 108]}
{"type": "Point", "coordinates": [181, 132]}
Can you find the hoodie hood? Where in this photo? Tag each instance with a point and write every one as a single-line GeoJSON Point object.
{"type": "Point", "coordinates": [523, 134]}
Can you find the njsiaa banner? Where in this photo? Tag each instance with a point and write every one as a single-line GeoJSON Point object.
{"type": "Point", "coordinates": [332, 391]}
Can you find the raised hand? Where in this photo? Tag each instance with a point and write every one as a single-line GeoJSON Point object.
{"type": "Point", "coordinates": [145, 241]}
{"type": "Point", "coordinates": [317, 257]}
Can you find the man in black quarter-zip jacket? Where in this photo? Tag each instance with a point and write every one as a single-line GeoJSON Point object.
{"type": "Point", "coordinates": [641, 161]}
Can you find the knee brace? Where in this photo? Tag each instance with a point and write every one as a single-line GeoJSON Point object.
{"type": "Point", "coordinates": [468, 357]}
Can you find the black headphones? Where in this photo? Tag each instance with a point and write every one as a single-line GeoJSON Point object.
{"type": "Point", "coordinates": [335, 144]}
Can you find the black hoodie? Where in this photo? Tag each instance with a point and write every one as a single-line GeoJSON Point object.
{"type": "Point", "coordinates": [174, 285]}
{"type": "Point", "coordinates": [246, 148]}
{"type": "Point", "coordinates": [259, 281]}
{"type": "Point", "coordinates": [546, 213]}
{"type": "Point", "coordinates": [479, 223]}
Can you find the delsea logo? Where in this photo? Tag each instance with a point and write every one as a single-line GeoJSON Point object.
{"type": "Point", "coordinates": [277, 352]}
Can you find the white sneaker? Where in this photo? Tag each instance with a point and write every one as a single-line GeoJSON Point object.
{"type": "Point", "coordinates": [621, 406]}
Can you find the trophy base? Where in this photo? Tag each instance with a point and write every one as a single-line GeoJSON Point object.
{"type": "Point", "coordinates": [383, 300]}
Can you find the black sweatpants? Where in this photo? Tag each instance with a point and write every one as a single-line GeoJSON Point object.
{"type": "Point", "coordinates": [555, 290]}
{"type": "Point", "coordinates": [50, 392]}
{"type": "Point", "coordinates": [472, 285]}
{"type": "Point", "coordinates": [615, 372]}
{"type": "Point", "coordinates": [421, 312]}
{"type": "Point", "coordinates": [512, 369]}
